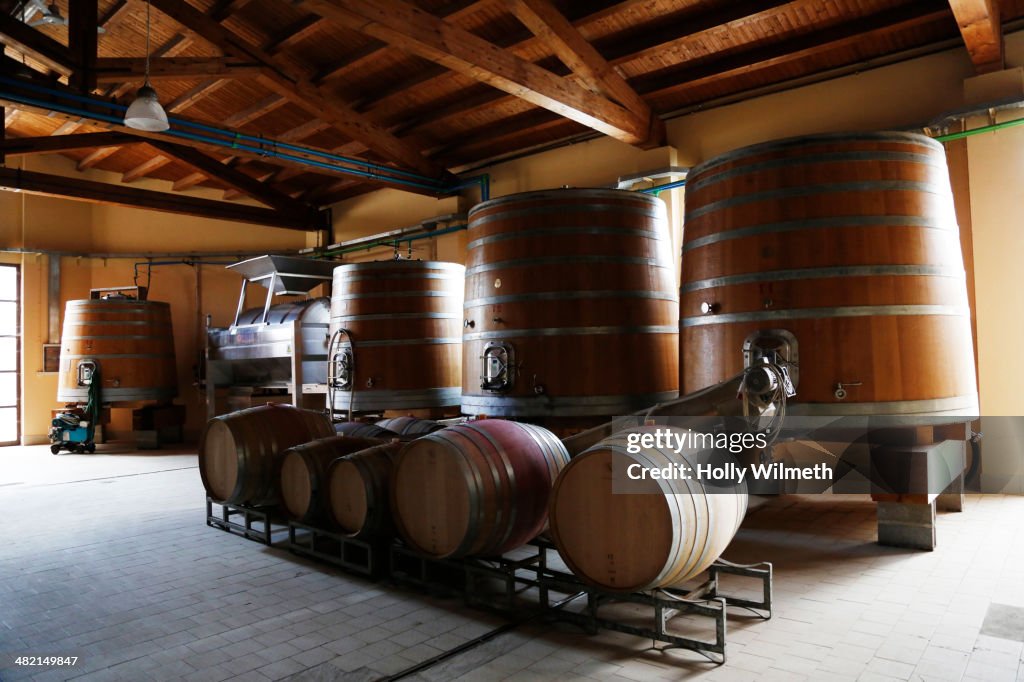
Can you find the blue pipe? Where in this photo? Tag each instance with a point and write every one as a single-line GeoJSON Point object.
{"type": "Point", "coordinates": [233, 136]}
{"type": "Point", "coordinates": [387, 173]}
{"type": "Point", "coordinates": [661, 188]}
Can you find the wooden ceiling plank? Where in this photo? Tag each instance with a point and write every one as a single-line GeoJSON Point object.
{"type": "Point", "coordinates": [61, 143]}
{"type": "Point", "coordinates": [178, 43]}
{"type": "Point", "coordinates": [195, 94]}
{"type": "Point", "coordinates": [105, 193]}
{"type": "Point", "coordinates": [294, 84]}
{"type": "Point", "coordinates": [118, 69]}
{"type": "Point", "coordinates": [117, 12]}
{"type": "Point", "coordinates": [427, 36]}
{"type": "Point", "coordinates": [801, 47]}
{"type": "Point", "coordinates": [231, 176]}
{"type": "Point", "coordinates": [982, 32]}
{"type": "Point", "coordinates": [222, 9]}
{"type": "Point", "coordinates": [36, 44]}
{"type": "Point", "coordinates": [582, 58]}
{"type": "Point", "coordinates": [291, 34]}
{"type": "Point", "coordinates": [453, 11]}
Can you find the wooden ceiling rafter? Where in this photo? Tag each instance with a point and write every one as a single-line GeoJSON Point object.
{"type": "Point", "coordinates": [982, 32]}
{"type": "Point", "coordinates": [427, 36]}
{"type": "Point", "coordinates": [61, 143]}
{"type": "Point", "coordinates": [284, 79]}
{"type": "Point", "coordinates": [674, 80]}
{"type": "Point", "coordinates": [22, 38]}
{"type": "Point", "coordinates": [106, 193]}
{"type": "Point", "coordinates": [119, 69]}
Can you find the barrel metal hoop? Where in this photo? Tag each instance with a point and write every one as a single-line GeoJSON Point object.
{"type": "Point", "coordinates": [556, 231]}
{"type": "Point", "coordinates": [822, 273]}
{"type": "Point", "coordinates": [119, 356]}
{"type": "Point", "coordinates": [794, 143]}
{"type": "Point", "coordinates": [597, 196]}
{"type": "Point", "coordinates": [571, 295]}
{"type": "Point", "coordinates": [366, 400]}
{"type": "Point", "coordinates": [565, 260]}
{"type": "Point", "coordinates": [822, 313]}
{"type": "Point", "coordinates": [545, 405]}
{"type": "Point", "coordinates": [808, 159]}
{"type": "Point", "coordinates": [396, 294]}
{"type": "Point", "coordinates": [398, 265]}
{"type": "Point", "coordinates": [570, 331]}
{"type": "Point", "coordinates": [507, 491]}
{"type": "Point", "coordinates": [402, 342]}
{"type": "Point", "coordinates": [923, 222]}
{"type": "Point", "coordinates": [396, 316]}
{"type": "Point", "coordinates": [957, 406]}
{"type": "Point", "coordinates": [817, 190]}
{"type": "Point", "coordinates": [94, 337]}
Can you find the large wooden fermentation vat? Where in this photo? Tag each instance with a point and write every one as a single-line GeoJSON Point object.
{"type": "Point", "coordinates": [473, 489]}
{"type": "Point", "coordinates": [131, 343]}
{"type": "Point", "coordinates": [571, 308]}
{"type": "Point", "coordinates": [849, 243]}
{"type": "Point", "coordinates": [403, 349]}
{"type": "Point", "coordinates": [660, 533]}
{"type": "Point", "coordinates": [240, 453]}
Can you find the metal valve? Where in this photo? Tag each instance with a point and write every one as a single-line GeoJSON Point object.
{"type": "Point", "coordinates": [841, 392]}
{"type": "Point", "coordinates": [708, 308]}
{"type": "Point", "coordinates": [468, 324]}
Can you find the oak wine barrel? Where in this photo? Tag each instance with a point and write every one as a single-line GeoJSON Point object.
{"type": "Point", "coordinates": [303, 474]}
{"type": "Point", "coordinates": [849, 243]}
{"type": "Point", "coordinates": [475, 489]}
{"type": "Point", "coordinates": [130, 340]}
{"type": "Point", "coordinates": [571, 306]}
{"type": "Point", "coordinates": [410, 426]}
{"type": "Point", "coordinates": [364, 430]}
{"type": "Point", "coordinates": [358, 487]}
{"type": "Point", "coordinates": [661, 533]}
{"type": "Point", "coordinates": [404, 346]}
{"type": "Point", "coordinates": [240, 453]}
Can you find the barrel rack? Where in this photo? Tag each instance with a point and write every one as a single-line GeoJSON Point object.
{"type": "Point", "coordinates": [253, 523]}
{"type": "Point", "coordinates": [524, 581]}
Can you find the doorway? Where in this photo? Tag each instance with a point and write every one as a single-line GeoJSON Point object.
{"type": "Point", "coordinates": [10, 408]}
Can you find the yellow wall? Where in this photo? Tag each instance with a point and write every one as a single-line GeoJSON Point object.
{"type": "Point", "coordinates": [43, 223]}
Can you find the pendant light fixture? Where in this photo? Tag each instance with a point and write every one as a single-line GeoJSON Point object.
{"type": "Point", "coordinates": [145, 113]}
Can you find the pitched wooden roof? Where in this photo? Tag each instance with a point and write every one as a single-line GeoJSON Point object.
{"type": "Point", "coordinates": [441, 85]}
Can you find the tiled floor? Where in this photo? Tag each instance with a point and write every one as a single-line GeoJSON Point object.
{"type": "Point", "coordinates": [107, 558]}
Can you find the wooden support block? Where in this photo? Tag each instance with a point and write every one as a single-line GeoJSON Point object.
{"type": "Point", "coordinates": [952, 498]}
{"type": "Point", "coordinates": [906, 525]}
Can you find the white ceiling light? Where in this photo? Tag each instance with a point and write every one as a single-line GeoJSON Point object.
{"type": "Point", "coordinates": [145, 113]}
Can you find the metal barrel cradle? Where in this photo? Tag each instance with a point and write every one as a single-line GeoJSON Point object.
{"type": "Point", "coordinates": [253, 523]}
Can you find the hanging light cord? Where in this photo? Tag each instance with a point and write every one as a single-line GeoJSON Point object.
{"type": "Point", "coordinates": [147, 43]}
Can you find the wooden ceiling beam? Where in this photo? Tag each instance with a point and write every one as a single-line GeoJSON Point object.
{"type": "Point", "coordinates": [427, 36]}
{"type": "Point", "coordinates": [232, 177]}
{"type": "Point", "coordinates": [295, 85]}
{"type": "Point", "coordinates": [452, 11]}
{"type": "Point", "coordinates": [292, 34]}
{"type": "Point", "coordinates": [83, 39]}
{"type": "Point", "coordinates": [21, 37]}
{"type": "Point", "coordinates": [547, 23]}
{"type": "Point", "coordinates": [982, 32]}
{"type": "Point", "coordinates": [222, 9]}
{"type": "Point", "coordinates": [96, 157]}
{"type": "Point", "coordinates": [43, 109]}
{"type": "Point", "coordinates": [62, 143]}
{"type": "Point", "coordinates": [801, 47]}
{"type": "Point", "coordinates": [118, 69]}
{"type": "Point", "coordinates": [117, 12]}
{"type": "Point", "coordinates": [150, 165]}
{"type": "Point", "coordinates": [105, 193]}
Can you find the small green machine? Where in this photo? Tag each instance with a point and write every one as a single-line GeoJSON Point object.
{"type": "Point", "coordinates": [74, 429]}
